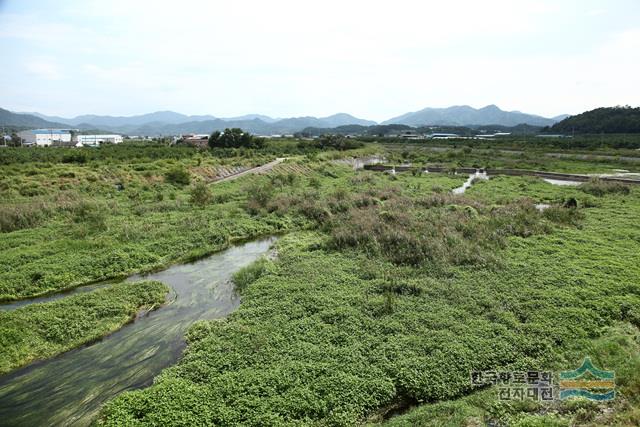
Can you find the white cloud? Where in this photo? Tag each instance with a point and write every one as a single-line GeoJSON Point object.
{"type": "Point", "coordinates": [44, 68]}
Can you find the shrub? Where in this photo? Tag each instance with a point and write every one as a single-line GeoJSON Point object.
{"type": "Point", "coordinates": [283, 179]}
{"type": "Point", "coordinates": [563, 215]}
{"type": "Point", "coordinates": [519, 218]}
{"type": "Point", "coordinates": [314, 210]}
{"type": "Point", "coordinates": [91, 214]}
{"type": "Point", "coordinates": [362, 178]}
{"type": "Point", "coordinates": [178, 176]}
{"type": "Point", "coordinates": [337, 142]}
{"type": "Point", "coordinates": [315, 183]}
{"type": "Point", "coordinates": [75, 157]}
{"type": "Point", "coordinates": [31, 189]}
{"type": "Point", "coordinates": [258, 196]}
{"type": "Point", "coordinates": [599, 188]}
{"type": "Point", "coordinates": [201, 194]}
{"type": "Point", "coordinates": [19, 217]}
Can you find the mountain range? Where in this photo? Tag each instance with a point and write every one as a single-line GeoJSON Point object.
{"type": "Point", "coordinates": [172, 123]}
{"type": "Point", "coordinates": [463, 115]}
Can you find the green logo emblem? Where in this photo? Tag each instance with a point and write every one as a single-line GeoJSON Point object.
{"type": "Point", "coordinates": [589, 382]}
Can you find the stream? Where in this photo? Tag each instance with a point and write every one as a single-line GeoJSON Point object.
{"type": "Point", "coordinates": [563, 182]}
{"type": "Point", "coordinates": [70, 389]}
{"type": "Point", "coordinates": [478, 175]}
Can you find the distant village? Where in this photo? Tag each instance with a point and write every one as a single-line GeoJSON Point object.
{"type": "Point", "coordinates": [73, 138]}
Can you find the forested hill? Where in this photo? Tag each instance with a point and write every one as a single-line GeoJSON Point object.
{"type": "Point", "coordinates": [25, 121]}
{"type": "Point", "coordinates": [601, 120]}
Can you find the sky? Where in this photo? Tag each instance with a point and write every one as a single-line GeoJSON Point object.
{"type": "Point", "coordinates": [373, 59]}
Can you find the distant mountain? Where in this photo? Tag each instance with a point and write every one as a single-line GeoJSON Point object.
{"type": "Point", "coordinates": [255, 126]}
{"type": "Point", "coordinates": [172, 123]}
{"type": "Point", "coordinates": [464, 115]}
{"type": "Point", "coordinates": [394, 129]}
{"type": "Point", "coordinates": [262, 117]}
{"type": "Point", "coordinates": [119, 121]}
{"type": "Point", "coordinates": [343, 119]}
{"type": "Point", "coordinates": [8, 118]}
{"type": "Point", "coordinates": [601, 120]}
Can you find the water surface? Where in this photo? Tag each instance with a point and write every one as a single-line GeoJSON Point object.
{"type": "Point", "coordinates": [469, 182]}
{"type": "Point", "coordinates": [562, 182]}
{"type": "Point", "coordinates": [69, 389]}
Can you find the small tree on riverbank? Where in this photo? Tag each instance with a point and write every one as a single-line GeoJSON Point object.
{"type": "Point", "coordinates": [201, 194]}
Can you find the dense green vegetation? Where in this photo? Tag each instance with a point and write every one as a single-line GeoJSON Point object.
{"type": "Point", "coordinates": [618, 349]}
{"type": "Point", "coordinates": [387, 289]}
{"type": "Point", "coordinates": [332, 336]}
{"type": "Point", "coordinates": [69, 224]}
{"type": "Point", "coordinates": [601, 120]}
{"type": "Point", "coordinates": [40, 331]}
{"type": "Point", "coordinates": [336, 142]}
{"type": "Point", "coordinates": [375, 312]}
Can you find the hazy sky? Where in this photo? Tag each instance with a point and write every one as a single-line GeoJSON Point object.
{"type": "Point", "coordinates": [373, 59]}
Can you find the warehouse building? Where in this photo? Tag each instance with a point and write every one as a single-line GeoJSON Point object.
{"type": "Point", "coordinates": [65, 138]}
{"type": "Point", "coordinates": [45, 137]}
{"type": "Point", "coordinates": [95, 140]}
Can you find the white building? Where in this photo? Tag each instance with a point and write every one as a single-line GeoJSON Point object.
{"type": "Point", "coordinates": [409, 134]}
{"type": "Point", "coordinates": [64, 137]}
{"type": "Point", "coordinates": [45, 137]}
{"type": "Point", "coordinates": [99, 139]}
{"type": "Point", "coordinates": [443, 136]}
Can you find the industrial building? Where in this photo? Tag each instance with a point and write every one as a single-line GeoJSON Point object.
{"type": "Point", "coordinates": [96, 140]}
{"type": "Point", "coordinates": [45, 137]}
{"type": "Point", "coordinates": [65, 137]}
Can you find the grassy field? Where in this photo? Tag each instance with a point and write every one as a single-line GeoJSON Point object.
{"type": "Point", "coordinates": [44, 330]}
{"type": "Point", "coordinates": [473, 154]}
{"type": "Point", "coordinates": [66, 224]}
{"type": "Point", "coordinates": [402, 291]}
{"type": "Point", "coordinates": [386, 292]}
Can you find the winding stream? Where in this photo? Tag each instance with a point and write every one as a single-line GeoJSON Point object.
{"type": "Point", "coordinates": [69, 389]}
{"type": "Point", "coordinates": [475, 176]}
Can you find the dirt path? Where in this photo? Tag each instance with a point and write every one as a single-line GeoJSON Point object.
{"type": "Point", "coordinates": [258, 169]}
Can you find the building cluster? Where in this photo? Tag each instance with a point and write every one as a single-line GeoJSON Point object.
{"type": "Point", "coordinates": [196, 140]}
{"type": "Point", "coordinates": [65, 138]}
{"type": "Point", "coordinates": [411, 134]}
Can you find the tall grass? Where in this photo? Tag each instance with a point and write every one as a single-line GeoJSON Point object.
{"type": "Point", "coordinates": [78, 209]}
{"type": "Point", "coordinates": [249, 274]}
{"type": "Point", "coordinates": [598, 187]}
{"type": "Point", "coordinates": [445, 233]}
{"type": "Point", "coordinates": [21, 216]}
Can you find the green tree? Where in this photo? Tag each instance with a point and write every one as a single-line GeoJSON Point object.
{"type": "Point", "coordinates": [234, 138]}
{"type": "Point", "coordinates": [214, 139]}
{"type": "Point", "coordinates": [16, 141]}
{"type": "Point", "coordinates": [178, 175]}
{"type": "Point", "coordinates": [338, 142]}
